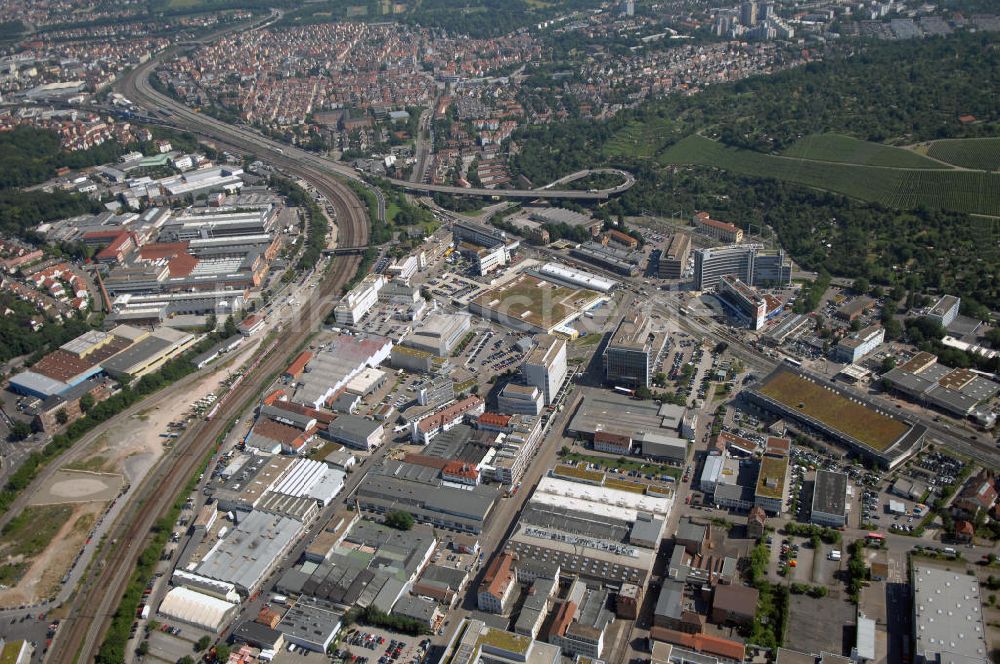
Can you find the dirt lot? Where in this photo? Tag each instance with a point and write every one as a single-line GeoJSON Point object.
{"type": "Point", "coordinates": [91, 477]}
{"type": "Point", "coordinates": [40, 568]}
{"type": "Point", "coordinates": [78, 486]}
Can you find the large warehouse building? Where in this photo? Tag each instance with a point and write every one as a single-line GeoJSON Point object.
{"type": "Point", "coordinates": [818, 405]}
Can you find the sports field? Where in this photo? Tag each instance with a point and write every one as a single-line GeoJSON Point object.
{"type": "Point", "coordinates": [979, 153]}
{"type": "Point", "coordinates": [973, 192]}
{"type": "Point", "coordinates": [821, 403]}
{"type": "Point", "coordinates": [846, 150]}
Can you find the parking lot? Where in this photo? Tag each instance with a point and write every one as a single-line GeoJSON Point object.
{"type": "Point", "coordinates": [371, 645]}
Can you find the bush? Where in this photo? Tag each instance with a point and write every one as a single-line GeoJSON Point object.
{"type": "Point", "coordinates": [376, 618]}
{"type": "Point", "coordinates": [399, 520]}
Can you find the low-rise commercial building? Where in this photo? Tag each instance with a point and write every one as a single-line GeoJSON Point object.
{"type": "Point", "coordinates": [719, 230]}
{"type": "Point", "coordinates": [945, 310]}
{"type": "Point", "coordinates": [584, 635]}
{"type": "Point", "coordinates": [829, 501]}
{"type": "Point", "coordinates": [856, 345]}
{"type": "Point", "coordinates": [356, 432]}
{"type": "Point", "coordinates": [311, 624]}
{"type": "Point", "coordinates": [359, 300]}
{"type": "Point", "coordinates": [947, 617]}
{"type": "Point", "coordinates": [498, 584]}
{"type": "Point", "coordinates": [439, 333]}
{"type": "Point", "coordinates": [476, 643]}
{"type": "Point", "coordinates": [520, 399]}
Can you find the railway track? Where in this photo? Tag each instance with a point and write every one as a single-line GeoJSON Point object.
{"type": "Point", "coordinates": [100, 590]}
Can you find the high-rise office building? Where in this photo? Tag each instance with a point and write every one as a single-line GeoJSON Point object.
{"type": "Point", "coordinates": [545, 366]}
{"type": "Point", "coordinates": [633, 352]}
{"type": "Point", "coordinates": [749, 263]}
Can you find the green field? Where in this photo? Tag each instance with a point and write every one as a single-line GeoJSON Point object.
{"type": "Point", "coordinates": [847, 150]}
{"type": "Point", "coordinates": [972, 192]}
{"type": "Point", "coordinates": [981, 153]}
{"type": "Point", "coordinates": [639, 139]}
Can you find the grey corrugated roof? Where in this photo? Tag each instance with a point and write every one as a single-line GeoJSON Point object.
{"type": "Point", "coordinates": [669, 603]}
{"type": "Point", "coordinates": [248, 551]}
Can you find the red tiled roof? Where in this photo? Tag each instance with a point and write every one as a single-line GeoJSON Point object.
{"type": "Point", "coordinates": [460, 469]}
{"type": "Point", "coordinates": [499, 575]}
{"type": "Point", "coordinates": [713, 645]}
{"type": "Point", "coordinates": [298, 365]}
{"type": "Point", "coordinates": [562, 619]}
{"type": "Point", "coordinates": [157, 250]}
{"type": "Point", "coordinates": [495, 419]}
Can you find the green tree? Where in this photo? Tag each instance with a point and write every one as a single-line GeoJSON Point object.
{"type": "Point", "coordinates": [87, 402]}
{"type": "Point", "coordinates": [143, 648]}
{"type": "Point", "coordinates": [642, 392]}
{"type": "Point", "coordinates": [203, 643]}
{"type": "Point", "coordinates": [399, 520]}
{"type": "Point", "coordinates": [229, 329]}
{"type": "Point", "coordinates": [62, 417]}
{"type": "Point", "coordinates": [888, 364]}
{"type": "Point", "coordinates": [186, 659]}
{"type": "Point", "coordinates": [19, 431]}
{"type": "Point", "coordinates": [861, 286]}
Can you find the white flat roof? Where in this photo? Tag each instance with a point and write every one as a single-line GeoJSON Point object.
{"type": "Point", "coordinates": [597, 499]}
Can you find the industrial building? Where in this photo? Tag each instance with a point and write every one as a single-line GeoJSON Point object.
{"type": "Point", "coordinates": [218, 225]}
{"type": "Point", "coordinates": [148, 354]}
{"type": "Point", "coordinates": [364, 564]}
{"type": "Point", "coordinates": [439, 333]}
{"type": "Point", "coordinates": [356, 432]}
{"type": "Point", "coordinates": [674, 256]}
{"type": "Point", "coordinates": [194, 608]}
{"type": "Point", "coordinates": [545, 366]}
{"type": "Point", "coordinates": [749, 263]}
{"type": "Point", "coordinates": [829, 501]}
{"type": "Point", "coordinates": [618, 414]}
{"type": "Point", "coordinates": [250, 551]}
{"type": "Point", "coordinates": [633, 352]}
{"type": "Point", "coordinates": [534, 305]}
{"type": "Point", "coordinates": [335, 363]}
{"type": "Point", "coordinates": [947, 621]}
{"type": "Point", "coordinates": [954, 391]}
{"type": "Point", "coordinates": [856, 345]}
{"type": "Point", "coordinates": [600, 534]}
{"type": "Point", "coordinates": [620, 261]}
{"type": "Point", "coordinates": [421, 492]}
